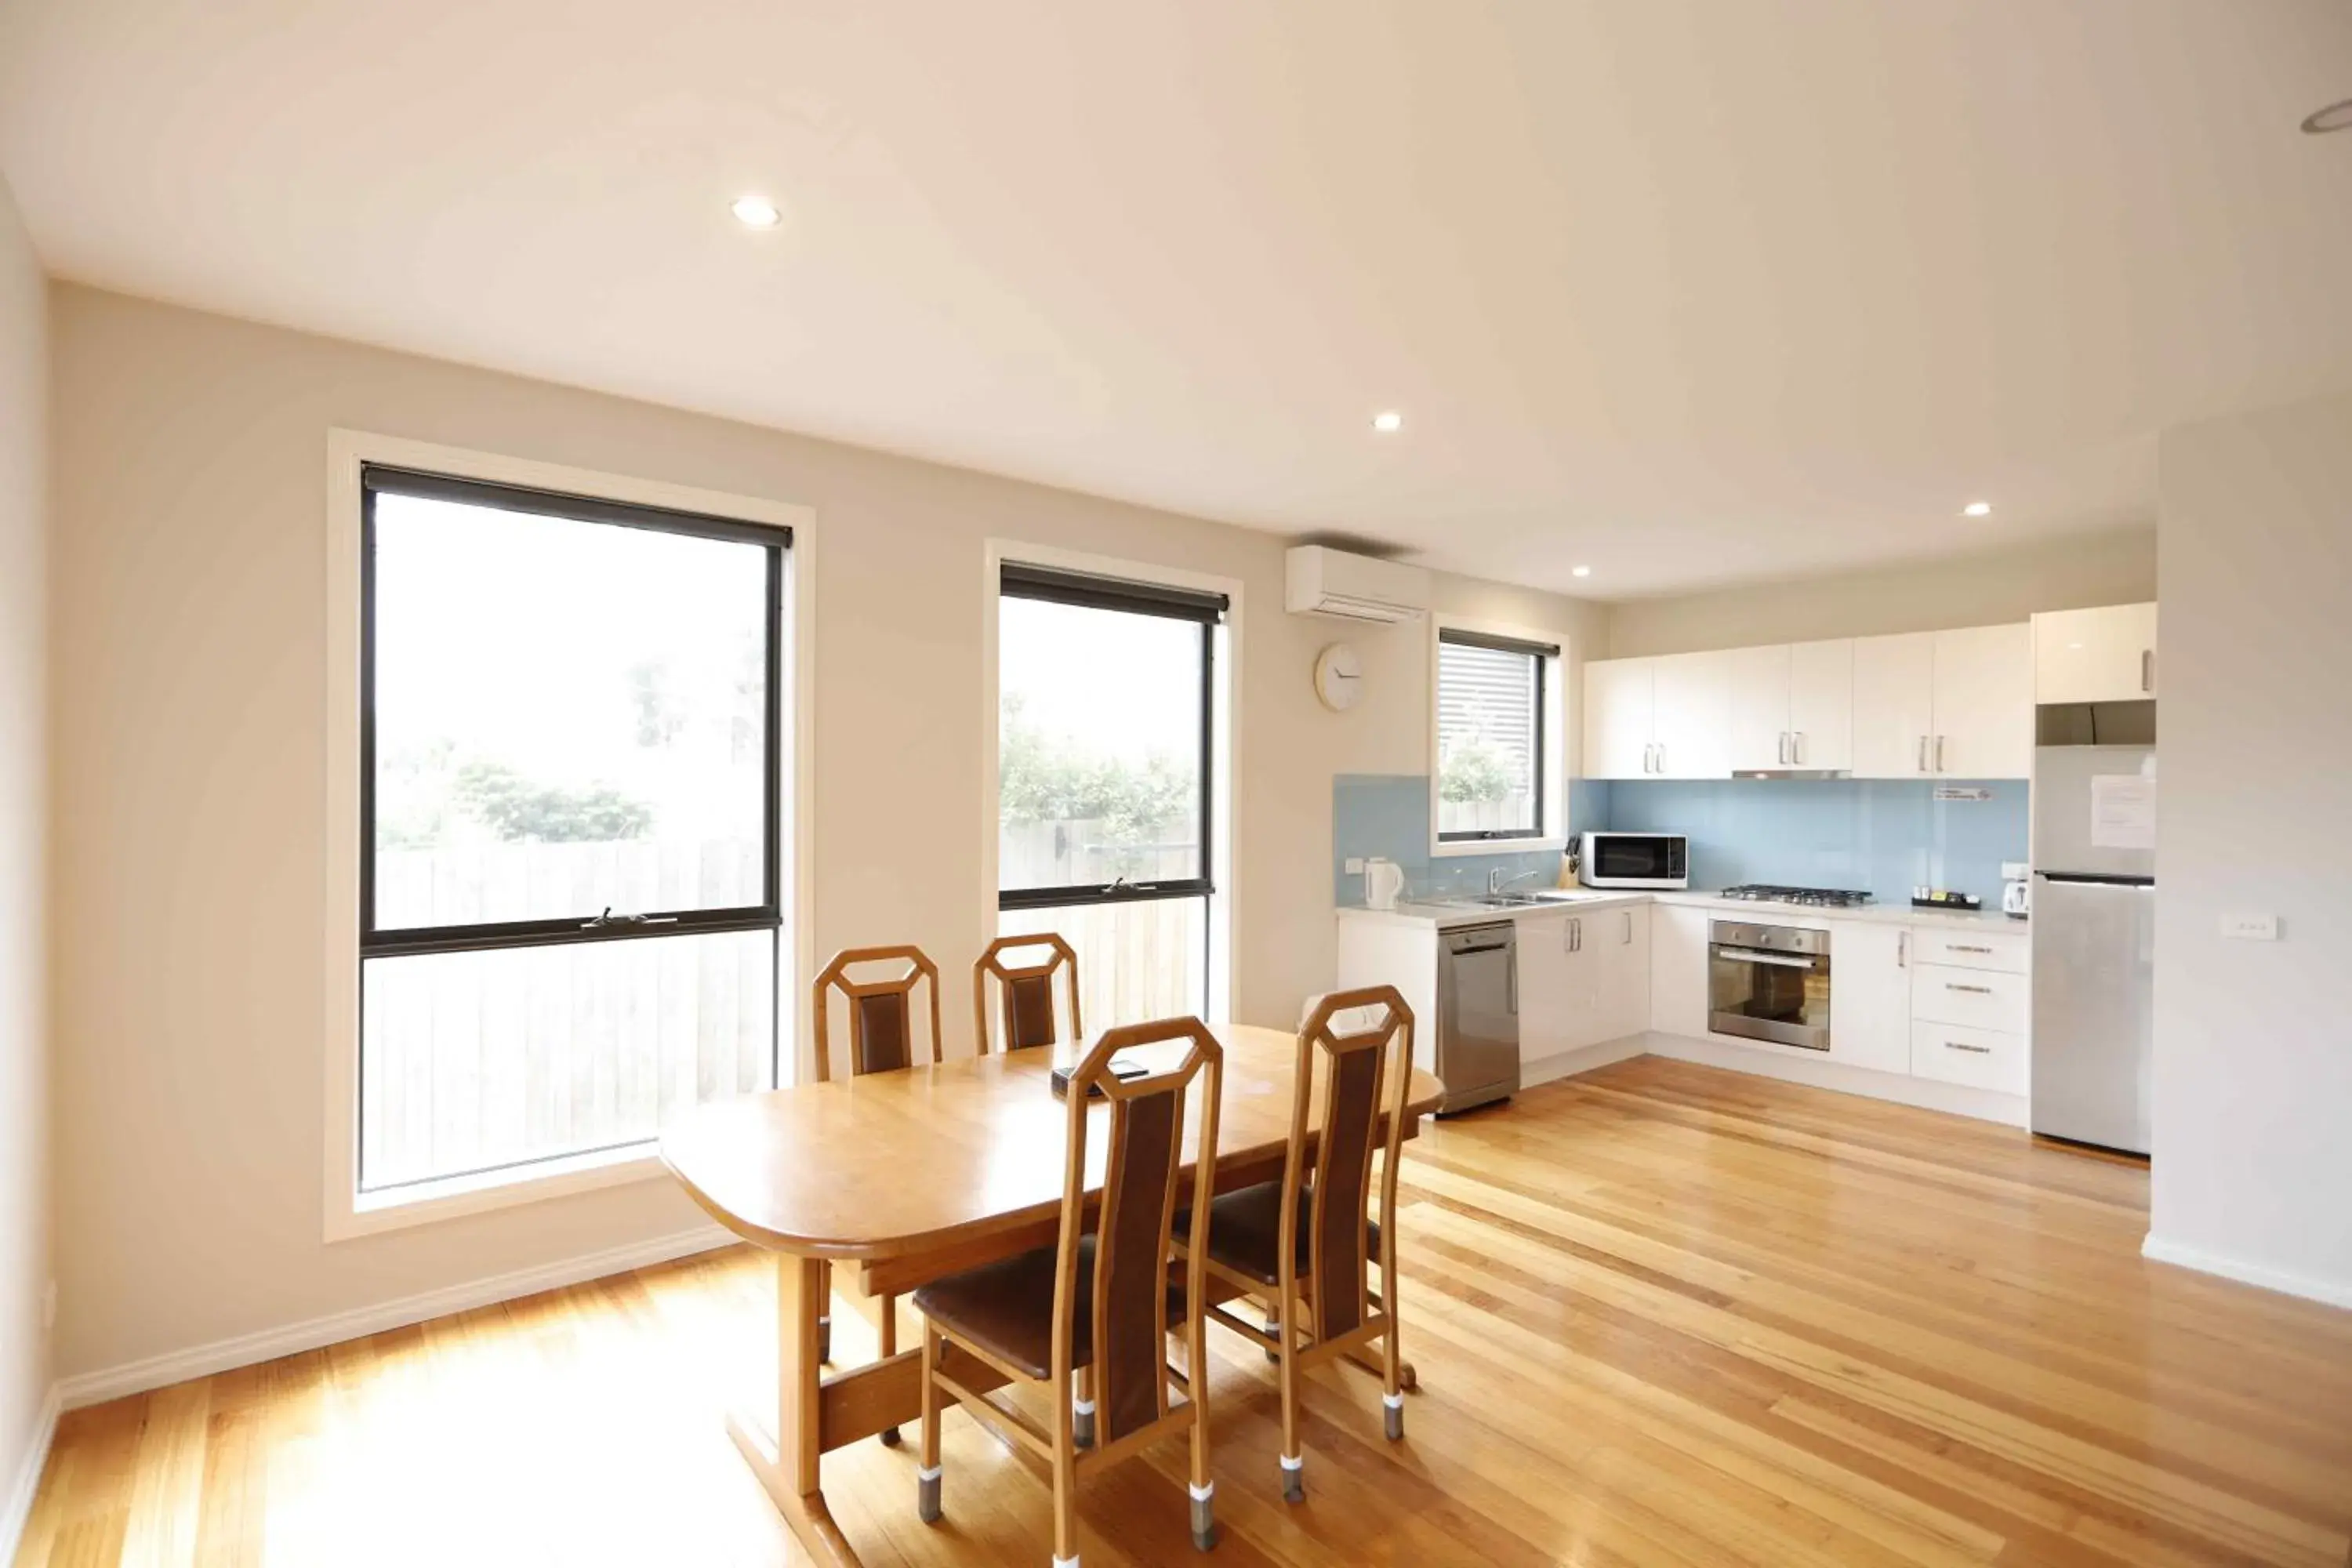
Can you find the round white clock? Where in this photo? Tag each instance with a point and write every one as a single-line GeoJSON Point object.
{"type": "Point", "coordinates": [1339, 676]}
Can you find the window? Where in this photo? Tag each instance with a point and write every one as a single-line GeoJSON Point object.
{"type": "Point", "coordinates": [570, 800]}
{"type": "Point", "coordinates": [1494, 736]}
{"type": "Point", "coordinates": [1105, 706]}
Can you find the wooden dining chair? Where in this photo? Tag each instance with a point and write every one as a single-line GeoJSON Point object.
{"type": "Point", "coordinates": [1025, 994]}
{"type": "Point", "coordinates": [1304, 1244]}
{"type": "Point", "coordinates": [881, 1039]}
{"type": "Point", "coordinates": [1104, 1301]}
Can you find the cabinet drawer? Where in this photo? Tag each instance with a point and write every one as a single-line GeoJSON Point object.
{"type": "Point", "coordinates": [1972, 949]}
{"type": "Point", "coordinates": [1980, 1059]}
{"type": "Point", "coordinates": [1973, 998]}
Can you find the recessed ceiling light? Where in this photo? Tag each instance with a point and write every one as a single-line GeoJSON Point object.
{"type": "Point", "coordinates": [756, 212]}
{"type": "Point", "coordinates": [1580, 571]}
{"type": "Point", "coordinates": [1977, 509]}
{"type": "Point", "coordinates": [2335, 117]}
{"type": "Point", "coordinates": [1388, 423]}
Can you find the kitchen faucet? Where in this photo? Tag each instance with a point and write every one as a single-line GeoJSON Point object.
{"type": "Point", "coordinates": [1496, 882]}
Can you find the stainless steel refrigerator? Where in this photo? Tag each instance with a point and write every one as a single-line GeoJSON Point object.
{"type": "Point", "coordinates": [2094, 943]}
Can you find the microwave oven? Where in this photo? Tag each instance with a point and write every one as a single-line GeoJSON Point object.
{"type": "Point", "coordinates": [1635, 860]}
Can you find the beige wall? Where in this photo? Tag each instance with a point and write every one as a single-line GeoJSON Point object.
{"type": "Point", "coordinates": [1970, 590]}
{"type": "Point", "coordinates": [2253, 1049]}
{"type": "Point", "coordinates": [23, 777]}
{"type": "Point", "coordinates": [190, 457]}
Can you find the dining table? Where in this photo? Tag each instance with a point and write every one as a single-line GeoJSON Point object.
{"type": "Point", "coordinates": [909, 1175]}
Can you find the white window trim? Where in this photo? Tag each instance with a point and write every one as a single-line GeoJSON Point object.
{"type": "Point", "coordinates": [1556, 750]}
{"type": "Point", "coordinates": [348, 1213]}
{"type": "Point", "coordinates": [1224, 949]}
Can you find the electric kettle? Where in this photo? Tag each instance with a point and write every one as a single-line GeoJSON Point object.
{"type": "Point", "coordinates": [1383, 880]}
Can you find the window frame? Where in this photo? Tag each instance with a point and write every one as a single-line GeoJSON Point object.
{"type": "Point", "coordinates": [1219, 882]}
{"type": "Point", "coordinates": [1550, 650]}
{"type": "Point", "coordinates": [347, 1212]}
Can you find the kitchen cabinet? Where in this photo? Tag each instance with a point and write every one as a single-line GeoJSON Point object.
{"type": "Point", "coordinates": [2104, 655]}
{"type": "Point", "coordinates": [1984, 703]}
{"type": "Point", "coordinates": [1584, 979]}
{"type": "Point", "coordinates": [1870, 996]}
{"type": "Point", "coordinates": [1792, 707]}
{"type": "Point", "coordinates": [1693, 723]}
{"type": "Point", "coordinates": [1620, 718]}
{"type": "Point", "coordinates": [1950, 704]}
{"type": "Point", "coordinates": [1678, 970]}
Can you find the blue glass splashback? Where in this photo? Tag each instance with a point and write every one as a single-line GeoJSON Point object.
{"type": "Point", "coordinates": [1887, 836]}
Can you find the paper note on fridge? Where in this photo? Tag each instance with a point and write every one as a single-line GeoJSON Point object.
{"type": "Point", "coordinates": [2123, 811]}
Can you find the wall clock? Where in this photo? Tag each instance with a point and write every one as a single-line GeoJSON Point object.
{"type": "Point", "coordinates": [1339, 676]}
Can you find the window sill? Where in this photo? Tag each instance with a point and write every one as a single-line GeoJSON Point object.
{"type": "Point", "coordinates": [427, 1203]}
{"type": "Point", "coordinates": [1441, 849]}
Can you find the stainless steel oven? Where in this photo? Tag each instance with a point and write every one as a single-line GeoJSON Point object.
{"type": "Point", "coordinates": [1770, 983]}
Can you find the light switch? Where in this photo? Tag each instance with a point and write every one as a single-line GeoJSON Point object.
{"type": "Point", "coordinates": [2250, 928]}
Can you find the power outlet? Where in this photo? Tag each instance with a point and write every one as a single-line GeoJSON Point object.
{"type": "Point", "coordinates": [2250, 928]}
{"type": "Point", "coordinates": [1355, 865]}
{"type": "Point", "coordinates": [48, 1306]}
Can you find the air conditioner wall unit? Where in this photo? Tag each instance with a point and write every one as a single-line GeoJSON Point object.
{"type": "Point", "coordinates": [1321, 581]}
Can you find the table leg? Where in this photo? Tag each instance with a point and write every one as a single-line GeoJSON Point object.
{"type": "Point", "coordinates": [786, 1461]}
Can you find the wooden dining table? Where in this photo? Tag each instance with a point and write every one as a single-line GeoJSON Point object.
{"type": "Point", "coordinates": [908, 1177]}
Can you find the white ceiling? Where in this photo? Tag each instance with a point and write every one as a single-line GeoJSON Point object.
{"type": "Point", "coordinates": [1692, 291]}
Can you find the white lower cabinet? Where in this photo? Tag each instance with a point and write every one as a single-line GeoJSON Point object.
{"type": "Point", "coordinates": [1583, 978]}
{"type": "Point", "coordinates": [1870, 996]}
{"type": "Point", "coordinates": [1973, 998]}
{"type": "Point", "coordinates": [1978, 1059]}
{"type": "Point", "coordinates": [1678, 970]}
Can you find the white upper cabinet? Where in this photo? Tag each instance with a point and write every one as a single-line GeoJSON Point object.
{"type": "Point", "coordinates": [2107, 655]}
{"type": "Point", "coordinates": [1620, 710]}
{"type": "Point", "coordinates": [1692, 731]}
{"type": "Point", "coordinates": [1759, 708]}
{"type": "Point", "coordinates": [1955, 704]}
{"type": "Point", "coordinates": [1894, 706]}
{"type": "Point", "coordinates": [1820, 705]}
{"type": "Point", "coordinates": [1984, 703]}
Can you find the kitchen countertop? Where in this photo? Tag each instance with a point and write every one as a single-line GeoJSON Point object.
{"type": "Point", "coordinates": [1444, 916]}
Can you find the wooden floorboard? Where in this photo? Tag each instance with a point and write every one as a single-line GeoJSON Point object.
{"type": "Point", "coordinates": [1662, 1315]}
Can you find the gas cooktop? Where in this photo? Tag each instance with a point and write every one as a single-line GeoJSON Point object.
{"type": "Point", "coordinates": [1819, 898]}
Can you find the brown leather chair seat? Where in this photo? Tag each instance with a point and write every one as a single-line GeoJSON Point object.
{"type": "Point", "coordinates": [1245, 1231]}
{"type": "Point", "coordinates": [1007, 1309]}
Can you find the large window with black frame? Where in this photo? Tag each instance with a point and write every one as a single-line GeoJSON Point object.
{"type": "Point", "coordinates": [570, 774]}
{"type": "Point", "coordinates": [1104, 728]}
{"type": "Point", "coordinates": [1491, 745]}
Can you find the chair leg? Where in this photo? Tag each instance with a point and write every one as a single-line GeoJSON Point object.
{"type": "Point", "coordinates": [926, 1476]}
{"type": "Point", "coordinates": [1294, 1463]}
{"type": "Point", "coordinates": [1273, 1327]}
{"type": "Point", "coordinates": [825, 1320]}
{"type": "Point", "coordinates": [1065, 1480]}
{"type": "Point", "coordinates": [1391, 1377]}
{"type": "Point", "coordinates": [1196, 1382]}
{"type": "Point", "coordinates": [889, 1331]}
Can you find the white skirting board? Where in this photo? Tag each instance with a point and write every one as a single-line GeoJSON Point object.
{"type": "Point", "coordinates": [19, 1506]}
{"type": "Point", "coordinates": [1796, 1066]}
{"type": "Point", "coordinates": [269, 1344]}
{"type": "Point", "coordinates": [1568, 1064]}
{"type": "Point", "coordinates": [2329, 1292]}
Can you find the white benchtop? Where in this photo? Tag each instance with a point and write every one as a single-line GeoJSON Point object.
{"type": "Point", "coordinates": [1443, 916]}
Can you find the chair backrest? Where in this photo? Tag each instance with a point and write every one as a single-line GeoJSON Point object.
{"type": "Point", "coordinates": [1026, 993]}
{"type": "Point", "coordinates": [1142, 1166]}
{"type": "Point", "coordinates": [881, 1011]}
{"type": "Point", "coordinates": [1365, 1076]}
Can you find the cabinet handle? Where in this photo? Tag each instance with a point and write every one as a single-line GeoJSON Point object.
{"type": "Point", "coordinates": [1923, 753]}
{"type": "Point", "coordinates": [1784, 748]}
{"type": "Point", "coordinates": [1575, 936]}
{"type": "Point", "coordinates": [1939, 753]}
{"type": "Point", "coordinates": [1629, 930]}
{"type": "Point", "coordinates": [1902, 949]}
{"type": "Point", "coordinates": [1662, 756]}
{"type": "Point", "coordinates": [1965, 947]}
{"type": "Point", "coordinates": [1972, 990]}
{"type": "Point", "coordinates": [1797, 747]}
{"type": "Point", "coordinates": [1973, 1050]}
{"type": "Point", "coordinates": [2148, 670]}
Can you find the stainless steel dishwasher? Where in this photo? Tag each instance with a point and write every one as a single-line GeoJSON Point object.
{"type": "Point", "coordinates": [1477, 1015]}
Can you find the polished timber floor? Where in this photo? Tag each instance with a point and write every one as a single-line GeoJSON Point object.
{"type": "Point", "coordinates": [1662, 1314]}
